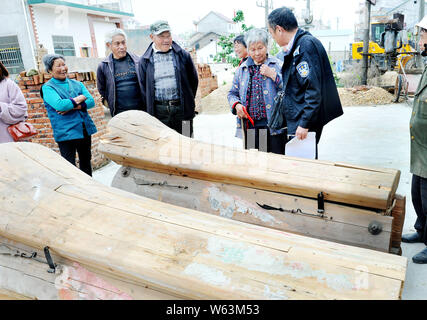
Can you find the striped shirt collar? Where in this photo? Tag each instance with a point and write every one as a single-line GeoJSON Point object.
{"type": "Point", "coordinates": [288, 48]}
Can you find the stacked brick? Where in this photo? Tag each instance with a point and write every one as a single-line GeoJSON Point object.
{"type": "Point", "coordinates": [37, 115]}
{"type": "Point", "coordinates": [207, 81]}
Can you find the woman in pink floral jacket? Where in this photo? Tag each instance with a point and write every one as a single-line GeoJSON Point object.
{"type": "Point", "coordinates": [13, 107]}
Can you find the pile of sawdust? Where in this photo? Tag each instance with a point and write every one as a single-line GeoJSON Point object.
{"type": "Point", "coordinates": [364, 96]}
{"type": "Point", "coordinates": [216, 102]}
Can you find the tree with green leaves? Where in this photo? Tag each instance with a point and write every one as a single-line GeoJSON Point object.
{"type": "Point", "coordinates": [227, 45]}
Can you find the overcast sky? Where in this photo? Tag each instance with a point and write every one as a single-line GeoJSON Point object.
{"type": "Point", "coordinates": [182, 14]}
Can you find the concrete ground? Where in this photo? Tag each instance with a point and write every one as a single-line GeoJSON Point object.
{"type": "Point", "coordinates": [372, 136]}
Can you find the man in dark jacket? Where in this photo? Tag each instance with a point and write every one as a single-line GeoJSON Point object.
{"type": "Point", "coordinates": [311, 99]}
{"type": "Point", "coordinates": [169, 80]}
{"type": "Point", "coordinates": [118, 76]}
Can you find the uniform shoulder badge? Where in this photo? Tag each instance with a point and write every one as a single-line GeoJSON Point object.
{"type": "Point", "coordinates": [303, 69]}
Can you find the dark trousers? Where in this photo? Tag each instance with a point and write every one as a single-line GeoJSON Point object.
{"type": "Point", "coordinates": [419, 200]}
{"type": "Point", "coordinates": [260, 138]}
{"type": "Point", "coordinates": [173, 117]}
{"type": "Point", "coordinates": [84, 149]}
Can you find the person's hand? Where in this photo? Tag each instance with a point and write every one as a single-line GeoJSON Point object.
{"type": "Point", "coordinates": [240, 113]}
{"type": "Point", "coordinates": [79, 107]}
{"type": "Point", "coordinates": [268, 72]}
{"type": "Point", "coordinates": [79, 99]}
{"type": "Point", "coordinates": [301, 133]}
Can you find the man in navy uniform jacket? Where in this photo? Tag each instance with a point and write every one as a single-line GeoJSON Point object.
{"type": "Point", "coordinates": [311, 99]}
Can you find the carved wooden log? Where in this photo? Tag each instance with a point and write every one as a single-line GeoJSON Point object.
{"type": "Point", "coordinates": [45, 201]}
{"type": "Point", "coordinates": [338, 223]}
{"type": "Point", "coordinates": [136, 139]}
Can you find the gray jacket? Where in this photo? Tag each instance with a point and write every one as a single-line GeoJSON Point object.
{"type": "Point", "coordinates": [106, 83]}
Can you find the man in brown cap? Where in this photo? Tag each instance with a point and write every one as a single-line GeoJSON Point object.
{"type": "Point", "coordinates": [169, 80]}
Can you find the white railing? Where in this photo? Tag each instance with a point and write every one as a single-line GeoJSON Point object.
{"type": "Point", "coordinates": [118, 5]}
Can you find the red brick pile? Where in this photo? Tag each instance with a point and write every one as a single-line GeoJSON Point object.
{"type": "Point", "coordinates": [37, 115]}
{"type": "Point", "coordinates": [207, 81]}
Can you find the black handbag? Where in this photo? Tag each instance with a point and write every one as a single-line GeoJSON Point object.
{"type": "Point", "coordinates": [277, 119]}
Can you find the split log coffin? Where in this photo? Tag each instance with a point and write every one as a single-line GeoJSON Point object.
{"type": "Point", "coordinates": [136, 139]}
{"type": "Point", "coordinates": [170, 250]}
{"type": "Point", "coordinates": [339, 223]}
{"type": "Point", "coordinates": [163, 165]}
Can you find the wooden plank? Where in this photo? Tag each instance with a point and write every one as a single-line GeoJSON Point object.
{"type": "Point", "coordinates": [45, 201]}
{"type": "Point", "coordinates": [398, 214]}
{"type": "Point", "coordinates": [8, 295]}
{"type": "Point", "coordinates": [136, 139]}
{"type": "Point", "coordinates": [341, 224]}
{"type": "Point", "coordinates": [24, 278]}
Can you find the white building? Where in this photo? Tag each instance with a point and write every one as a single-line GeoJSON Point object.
{"type": "Point", "coordinates": [334, 40]}
{"type": "Point", "coordinates": [74, 28]}
{"type": "Point", "coordinates": [208, 31]}
{"type": "Point", "coordinates": [216, 22]}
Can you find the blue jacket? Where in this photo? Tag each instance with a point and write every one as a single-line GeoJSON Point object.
{"type": "Point", "coordinates": [311, 97]}
{"type": "Point", "coordinates": [239, 88]}
{"type": "Point", "coordinates": [70, 125]}
{"type": "Point", "coordinates": [186, 75]}
{"type": "Point", "coordinates": [106, 83]}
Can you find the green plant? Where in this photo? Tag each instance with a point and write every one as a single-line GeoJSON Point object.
{"type": "Point", "coordinates": [275, 49]}
{"type": "Point", "coordinates": [226, 43]}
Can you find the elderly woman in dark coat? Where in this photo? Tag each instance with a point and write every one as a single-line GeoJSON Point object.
{"type": "Point", "coordinates": [13, 107]}
{"type": "Point", "coordinates": [67, 102]}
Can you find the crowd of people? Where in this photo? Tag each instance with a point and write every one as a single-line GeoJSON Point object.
{"type": "Point", "coordinates": [163, 82]}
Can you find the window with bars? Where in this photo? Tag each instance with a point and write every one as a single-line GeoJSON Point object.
{"type": "Point", "coordinates": [10, 54]}
{"type": "Point", "coordinates": [64, 45]}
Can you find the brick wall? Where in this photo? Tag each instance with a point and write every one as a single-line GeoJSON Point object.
{"type": "Point", "coordinates": [37, 114]}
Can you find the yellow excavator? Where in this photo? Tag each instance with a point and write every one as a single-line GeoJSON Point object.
{"type": "Point", "coordinates": [391, 48]}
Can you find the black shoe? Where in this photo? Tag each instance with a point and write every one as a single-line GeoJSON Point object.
{"type": "Point", "coordinates": [421, 258]}
{"type": "Point", "coordinates": [412, 238]}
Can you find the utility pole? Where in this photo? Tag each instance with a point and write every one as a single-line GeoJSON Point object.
{"type": "Point", "coordinates": [366, 42]}
{"type": "Point", "coordinates": [309, 18]}
{"type": "Point", "coordinates": [267, 7]}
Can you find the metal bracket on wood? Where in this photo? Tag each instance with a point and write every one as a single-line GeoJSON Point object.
{"type": "Point", "coordinates": [321, 204]}
{"type": "Point", "coordinates": [375, 228]}
{"type": "Point", "coordinates": [26, 256]}
{"type": "Point", "coordinates": [52, 265]}
{"type": "Point", "coordinates": [293, 211]}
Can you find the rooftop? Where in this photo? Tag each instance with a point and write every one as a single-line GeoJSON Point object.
{"type": "Point", "coordinates": [111, 8]}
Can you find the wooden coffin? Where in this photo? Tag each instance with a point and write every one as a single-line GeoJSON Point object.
{"type": "Point", "coordinates": [45, 201]}
{"type": "Point", "coordinates": [338, 223]}
{"type": "Point", "coordinates": [136, 139]}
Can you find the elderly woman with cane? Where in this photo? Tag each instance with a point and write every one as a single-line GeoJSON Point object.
{"type": "Point", "coordinates": [252, 94]}
{"type": "Point", "coordinates": [67, 102]}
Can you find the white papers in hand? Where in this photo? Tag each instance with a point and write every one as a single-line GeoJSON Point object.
{"type": "Point", "coordinates": [302, 148]}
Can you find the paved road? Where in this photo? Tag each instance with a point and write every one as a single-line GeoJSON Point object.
{"type": "Point", "coordinates": [374, 136]}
